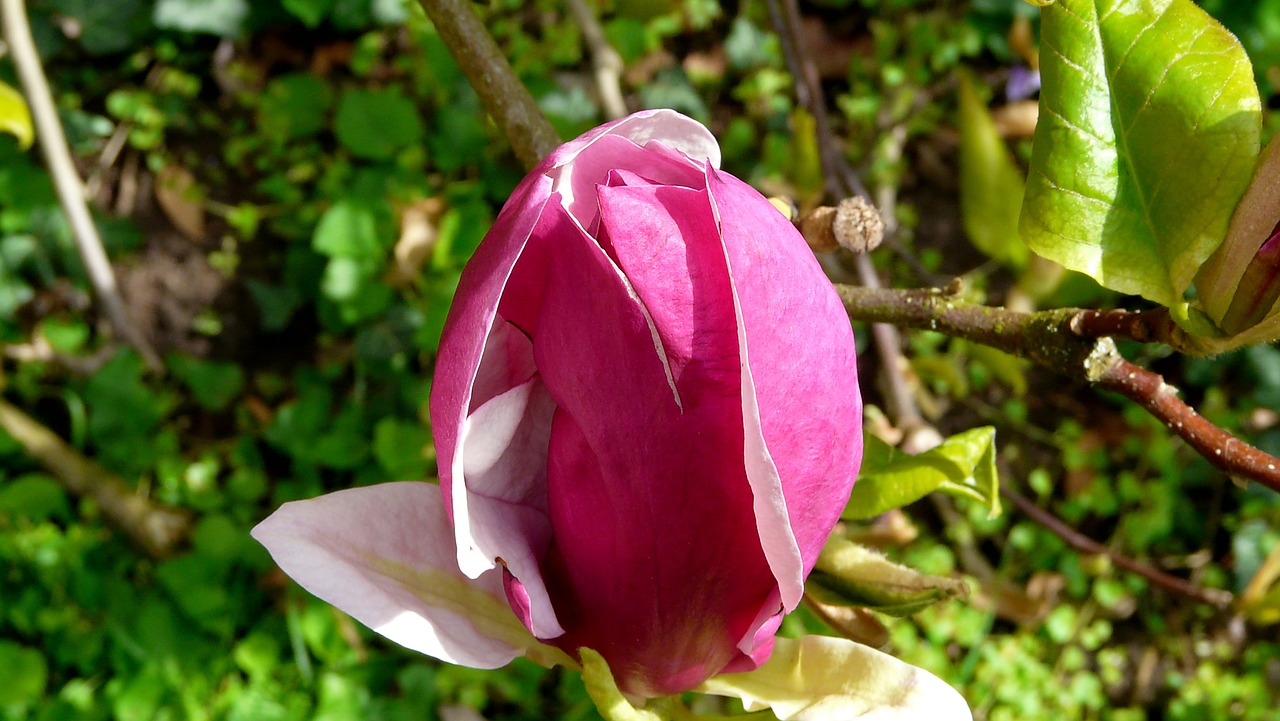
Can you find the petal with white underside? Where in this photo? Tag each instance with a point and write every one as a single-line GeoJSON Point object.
{"type": "Point", "coordinates": [802, 411]}
{"type": "Point", "coordinates": [506, 471]}
{"type": "Point", "coordinates": [384, 554]}
{"type": "Point", "coordinates": [820, 678]}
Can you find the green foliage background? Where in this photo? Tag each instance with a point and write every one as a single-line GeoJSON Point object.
{"type": "Point", "coordinates": [298, 326]}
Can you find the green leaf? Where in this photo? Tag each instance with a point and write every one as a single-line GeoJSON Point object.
{"type": "Point", "coordinates": [819, 678]}
{"type": "Point", "coordinates": [349, 229]}
{"type": "Point", "coordinates": [849, 574]}
{"type": "Point", "coordinates": [294, 106]}
{"type": "Point", "coordinates": [991, 184]}
{"type": "Point", "coordinates": [310, 12]}
{"type": "Point", "coordinates": [1149, 127]}
{"type": "Point", "coordinates": [25, 674]}
{"type": "Point", "coordinates": [375, 124]}
{"type": "Point", "coordinates": [963, 465]}
{"type": "Point", "coordinates": [105, 27]}
{"type": "Point", "coordinates": [15, 116]}
{"type": "Point", "coordinates": [213, 384]}
{"type": "Point", "coordinates": [211, 17]}
{"type": "Point", "coordinates": [398, 447]}
{"type": "Point", "coordinates": [34, 496]}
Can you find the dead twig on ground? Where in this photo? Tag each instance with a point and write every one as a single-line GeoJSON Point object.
{"type": "Point", "coordinates": [156, 528]}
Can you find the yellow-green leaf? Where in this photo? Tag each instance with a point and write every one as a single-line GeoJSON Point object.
{"type": "Point", "coordinates": [990, 183]}
{"type": "Point", "coordinates": [963, 465]}
{"type": "Point", "coordinates": [820, 678]}
{"type": "Point", "coordinates": [1149, 128]}
{"type": "Point", "coordinates": [15, 116]}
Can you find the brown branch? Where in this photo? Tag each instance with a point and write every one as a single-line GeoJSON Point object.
{"type": "Point", "coordinates": [505, 98]}
{"type": "Point", "coordinates": [156, 528]}
{"type": "Point", "coordinates": [1148, 326]}
{"type": "Point", "coordinates": [604, 58]}
{"type": "Point", "coordinates": [1084, 544]}
{"type": "Point", "coordinates": [1046, 337]}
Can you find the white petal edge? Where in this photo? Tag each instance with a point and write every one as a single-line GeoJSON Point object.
{"type": "Point", "coordinates": [774, 525]}
{"type": "Point", "coordinates": [820, 678]}
{"type": "Point", "coordinates": [385, 555]}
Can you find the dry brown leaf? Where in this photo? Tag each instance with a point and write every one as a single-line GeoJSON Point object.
{"type": "Point", "coordinates": [1016, 120]}
{"type": "Point", "coordinates": [179, 197]}
{"type": "Point", "coordinates": [418, 234]}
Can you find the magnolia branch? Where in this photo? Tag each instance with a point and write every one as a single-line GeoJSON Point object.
{"type": "Point", "coordinates": [505, 98]}
{"type": "Point", "coordinates": [1052, 339]}
{"type": "Point", "coordinates": [154, 527]}
{"type": "Point", "coordinates": [606, 61]}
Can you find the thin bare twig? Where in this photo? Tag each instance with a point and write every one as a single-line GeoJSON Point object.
{"type": "Point", "coordinates": [71, 192]}
{"type": "Point", "coordinates": [606, 61]}
{"type": "Point", "coordinates": [1046, 338]}
{"type": "Point", "coordinates": [505, 98]}
{"type": "Point", "coordinates": [1084, 544]}
{"type": "Point", "coordinates": [156, 528]}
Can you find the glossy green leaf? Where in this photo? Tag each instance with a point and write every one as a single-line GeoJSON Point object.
{"type": "Point", "coordinates": [991, 184]}
{"type": "Point", "coordinates": [963, 465]}
{"type": "Point", "coordinates": [1149, 127]}
{"type": "Point", "coordinates": [850, 574]}
{"type": "Point", "coordinates": [820, 678]}
{"type": "Point", "coordinates": [15, 116]}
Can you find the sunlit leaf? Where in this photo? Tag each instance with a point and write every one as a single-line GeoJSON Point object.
{"type": "Point", "coordinates": [15, 116]}
{"type": "Point", "coordinates": [963, 465]}
{"type": "Point", "coordinates": [991, 184]}
{"type": "Point", "coordinates": [1149, 127]}
{"type": "Point", "coordinates": [820, 678]}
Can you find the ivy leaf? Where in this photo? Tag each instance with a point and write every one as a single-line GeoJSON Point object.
{"type": "Point", "coordinates": [818, 678]}
{"type": "Point", "coordinates": [963, 465]}
{"type": "Point", "coordinates": [1149, 127]}
{"type": "Point", "coordinates": [15, 116]}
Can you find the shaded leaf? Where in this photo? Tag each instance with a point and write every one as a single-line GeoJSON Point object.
{"type": "Point", "coordinates": [1149, 126]}
{"type": "Point", "coordinates": [991, 184]}
{"type": "Point", "coordinates": [850, 574]}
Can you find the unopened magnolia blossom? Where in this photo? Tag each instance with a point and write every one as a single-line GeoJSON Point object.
{"type": "Point", "coordinates": [647, 419]}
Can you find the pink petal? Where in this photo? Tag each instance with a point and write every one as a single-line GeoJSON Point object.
{"type": "Point", "coordinates": [804, 410]}
{"type": "Point", "coordinates": [384, 554]}
{"type": "Point", "coordinates": [656, 561]}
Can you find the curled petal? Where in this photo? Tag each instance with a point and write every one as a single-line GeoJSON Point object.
{"type": "Point", "coordinates": [384, 554]}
